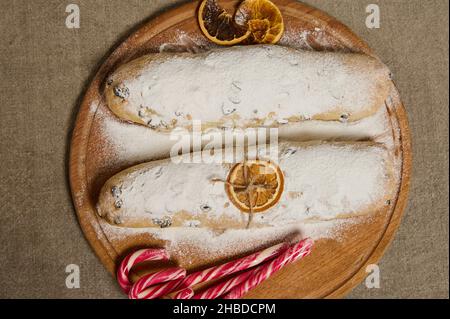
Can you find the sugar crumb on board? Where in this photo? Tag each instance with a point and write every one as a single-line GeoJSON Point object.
{"type": "Point", "coordinates": [184, 243]}
{"type": "Point", "coordinates": [131, 143]}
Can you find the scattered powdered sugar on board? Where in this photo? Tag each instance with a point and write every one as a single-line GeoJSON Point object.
{"type": "Point", "coordinates": [311, 39]}
{"type": "Point", "coordinates": [132, 143]}
{"type": "Point", "coordinates": [187, 43]}
{"type": "Point", "coordinates": [182, 242]}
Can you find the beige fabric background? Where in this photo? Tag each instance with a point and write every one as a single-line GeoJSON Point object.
{"type": "Point", "coordinates": [45, 68]}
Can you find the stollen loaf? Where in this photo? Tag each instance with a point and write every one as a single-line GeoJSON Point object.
{"type": "Point", "coordinates": [246, 86]}
{"type": "Point", "coordinates": [316, 181]}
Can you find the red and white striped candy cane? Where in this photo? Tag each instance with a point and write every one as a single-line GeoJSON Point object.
{"type": "Point", "coordinates": [156, 291]}
{"type": "Point", "coordinates": [261, 273]}
{"type": "Point", "coordinates": [231, 267]}
{"type": "Point", "coordinates": [135, 258]}
{"type": "Point", "coordinates": [220, 271]}
{"type": "Point", "coordinates": [155, 278]}
{"type": "Point", "coordinates": [222, 288]}
{"type": "Point", "coordinates": [187, 293]}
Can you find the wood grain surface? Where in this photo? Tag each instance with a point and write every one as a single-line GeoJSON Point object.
{"type": "Point", "coordinates": [334, 267]}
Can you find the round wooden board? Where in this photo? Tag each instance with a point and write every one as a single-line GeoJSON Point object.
{"type": "Point", "coordinates": [334, 267]}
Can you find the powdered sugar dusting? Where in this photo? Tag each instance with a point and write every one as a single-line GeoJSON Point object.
{"type": "Point", "coordinates": [131, 143]}
{"type": "Point", "coordinates": [134, 143]}
{"type": "Point", "coordinates": [311, 39]}
{"type": "Point", "coordinates": [186, 43]}
{"type": "Point", "coordinates": [290, 85]}
{"type": "Point", "coordinates": [322, 181]}
{"type": "Point", "coordinates": [181, 243]}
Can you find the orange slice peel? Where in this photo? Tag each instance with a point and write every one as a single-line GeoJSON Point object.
{"type": "Point", "coordinates": [218, 25]}
{"type": "Point", "coordinates": [263, 19]}
{"type": "Point", "coordinates": [255, 21]}
{"type": "Point", "coordinates": [255, 186]}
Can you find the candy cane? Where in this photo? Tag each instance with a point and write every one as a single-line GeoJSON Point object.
{"type": "Point", "coordinates": [231, 267]}
{"type": "Point", "coordinates": [155, 278]}
{"type": "Point", "coordinates": [224, 287]}
{"type": "Point", "coordinates": [187, 293]}
{"type": "Point", "coordinates": [261, 273]}
{"type": "Point", "coordinates": [159, 284]}
{"type": "Point", "coordinates": [218, 271]}
{"type": "Point", "coordinates": [135, 258]}
{"type": "Point", "coordinates": [157, 291]}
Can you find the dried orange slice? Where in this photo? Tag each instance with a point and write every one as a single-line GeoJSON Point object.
{"type": "Point", "coordinates": [262, 18]}
{"type": "Point", "coordinates": [219, 26]}
{"type": "Point", "coordinates": [255, 186]}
